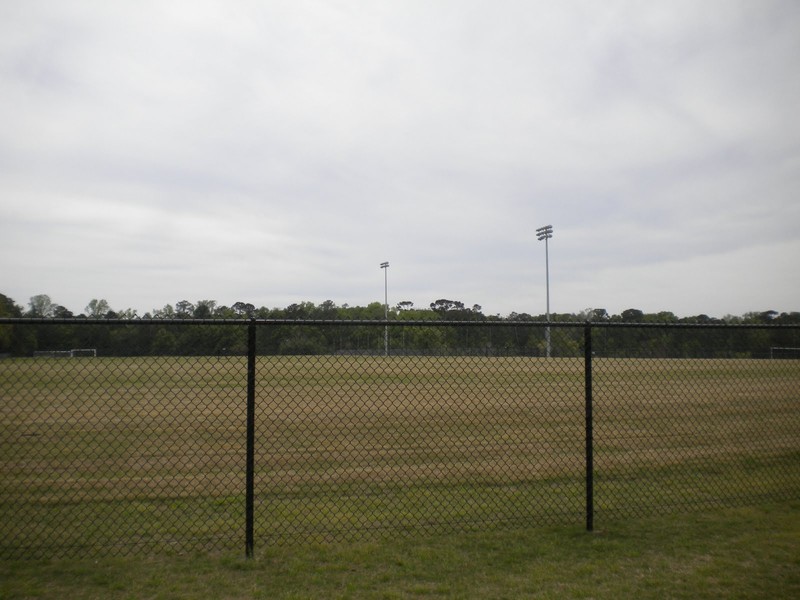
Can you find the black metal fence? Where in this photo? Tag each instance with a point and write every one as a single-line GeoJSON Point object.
{"type": "Point", "coordinates": [185, 436]}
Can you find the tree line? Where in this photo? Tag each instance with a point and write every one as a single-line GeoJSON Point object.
{"type": "Point", "coordinates": [519, 339]}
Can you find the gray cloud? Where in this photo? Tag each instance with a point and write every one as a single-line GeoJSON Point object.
{"type": "Point", "coordinates": [277, 152]}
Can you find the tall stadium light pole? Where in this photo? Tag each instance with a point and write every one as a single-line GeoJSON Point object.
{"type": "Point", "coordinates": [545, 233]}
{"type": "Point", "coordinates": [385, 267]}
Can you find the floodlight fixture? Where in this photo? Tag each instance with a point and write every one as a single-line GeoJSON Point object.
{"type": "Point", "coordinates": [544, 233]}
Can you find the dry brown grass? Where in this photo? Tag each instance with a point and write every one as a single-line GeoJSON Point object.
{"type": "Point", "coordinates": [86, 430]}
{"type": "Point", "coordinates": [115, 424]}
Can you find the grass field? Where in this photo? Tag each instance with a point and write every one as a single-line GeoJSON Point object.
{"type": "Point", "coordinates": [118, 456]}
{"type": "Point", "coordinates": [746, 552]}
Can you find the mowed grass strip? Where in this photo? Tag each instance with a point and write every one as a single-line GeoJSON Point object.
{"type": "Point", "coordinates": [751, 552]}
{"type": "Point", "coordinates": [149, 452]}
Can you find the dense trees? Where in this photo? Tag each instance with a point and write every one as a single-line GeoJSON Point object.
{"type": "Point", "coordinates": [441, 309]}
{"type": "Point", "coordinates": [521, 333]}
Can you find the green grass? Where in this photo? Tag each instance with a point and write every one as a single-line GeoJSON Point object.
{"type": "Point", "coordinates": [733, 553]}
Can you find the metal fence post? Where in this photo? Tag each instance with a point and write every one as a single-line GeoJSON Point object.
{"type": "Point", "coordinates": [587, 344]}
{"type": "Point", "coordinates": [251, 426]}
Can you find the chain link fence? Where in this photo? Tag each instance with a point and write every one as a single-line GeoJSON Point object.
{"type": "Point", "coordinates": [711, 425]}
{"type": "Point", "coordinates": [120, 454]}
{"type": "Point", "coordinates": [186, 436]}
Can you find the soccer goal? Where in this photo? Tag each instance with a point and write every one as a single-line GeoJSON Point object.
{"type": "Point", "coordinates": [52, 353]}
{"type": "Point", "coordinates": [782, 352]}
{"type": "Point", "coordinates": [74, 353]}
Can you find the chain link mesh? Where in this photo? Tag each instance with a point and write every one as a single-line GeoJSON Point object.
{"type": "Point", "coordinates": [396, 443]}
{"type": "Point", "coordinates": [447, 429]}
{"type": "Point", "coordinates": [121, 455]}
{"type": "Point", "coordinates": [674, 433]}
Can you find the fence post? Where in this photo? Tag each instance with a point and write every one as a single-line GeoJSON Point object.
{"type": "Point", "coordinates": [251, 436]}
{"type": "Point", "coordinates": [587, 345]}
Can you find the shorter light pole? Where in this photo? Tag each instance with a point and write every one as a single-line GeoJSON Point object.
{"type": "Point", "coordinates": [385, 267]}
{"type": "Point", "coordinates": [545, 233]}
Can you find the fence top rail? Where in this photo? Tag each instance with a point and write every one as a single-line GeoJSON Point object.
{"type": "Point", "coordinates": [390, 323]}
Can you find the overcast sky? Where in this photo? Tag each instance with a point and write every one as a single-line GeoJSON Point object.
{"type": "Point", "coordinates": [274, 152]}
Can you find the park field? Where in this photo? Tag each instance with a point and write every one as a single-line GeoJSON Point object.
{"type": "Point", "coordinates": [128, 455]}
